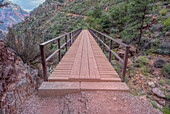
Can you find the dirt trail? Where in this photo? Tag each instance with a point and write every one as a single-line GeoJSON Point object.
{"type": "Point", "coordinates": [96, 102]}
{"type": "Point", "coordinates": [73, 14]}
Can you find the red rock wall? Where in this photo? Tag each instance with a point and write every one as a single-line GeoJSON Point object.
{"type": "Point", "coordinates": [17, 80]}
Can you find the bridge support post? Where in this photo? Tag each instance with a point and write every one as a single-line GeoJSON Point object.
{"type": "Point", "coordinates": [66, 42]}
{"type": "Point", "coordinates": [59, 52]}
{"type": "Point", "coordinates": [43, 58]}
{"type": "Point", "coordinates": [125, 63]}
{"type": "Point", "coordinates": [110, 51]}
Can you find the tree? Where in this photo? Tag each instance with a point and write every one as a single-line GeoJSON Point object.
{"type": "Point", "coordinates": [118, 14]}
{"type": "Point", "coordinates": [25, 45]}
{"type": "Point", "coordinates": [137, 17]}
{"type": "Point", "coordinates": [99, 19]}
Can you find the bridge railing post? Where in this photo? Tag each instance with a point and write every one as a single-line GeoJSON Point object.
{"type": "Point", "coordinates": [73, 37]}
{"type": "Point", "coordinates": [100, 36]}
{"type": "Point", "coordinates": [104, 39]}
{"type": "Point", "coordinates": [70, 39]}
{"type": "Point", "coordinates": [98, 39]}
{"type": "Point", "coordinates": [110, 56]}
{"type": "Point", "coordinates": [59, 52]}
{"type": "Point", "coordinates": [66, 42]}
{"type": "Point", "coordinates": [125, 63]}
{"type": "Point", "coordinates": [43, 59]}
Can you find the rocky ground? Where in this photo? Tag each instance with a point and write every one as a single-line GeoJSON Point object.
{"type": "Point", "coordinates": [94, 102]}
{"type": "Point", "coordinates": [148, 77]}
{"type": "Point", "coordinates": [150, 82]}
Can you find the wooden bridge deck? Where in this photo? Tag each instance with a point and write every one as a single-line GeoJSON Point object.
{"type": "Point", "coordinates": [83, 67]}
{"type": "Point", "coordinates": [84, 61]}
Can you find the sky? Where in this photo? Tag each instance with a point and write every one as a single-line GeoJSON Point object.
{"type": "Point", "coordinates": [28, 5]}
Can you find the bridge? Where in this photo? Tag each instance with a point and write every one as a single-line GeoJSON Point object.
{"type": "Point", "coordinates": [84, 67]}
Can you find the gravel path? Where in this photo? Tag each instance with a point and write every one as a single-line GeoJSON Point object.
{"type": "Point", "coordinates": [94, 102]}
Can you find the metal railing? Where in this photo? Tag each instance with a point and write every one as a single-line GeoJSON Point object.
{"type": "Point", "coordinates": [124, 61]}
{"type": "Point", "coordinates": [71, 36]}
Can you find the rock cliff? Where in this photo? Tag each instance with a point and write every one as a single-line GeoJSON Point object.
{"type": "Point", "coordinates": [17, 80]}
{"type": "Point", "coordinates": [10, 15]}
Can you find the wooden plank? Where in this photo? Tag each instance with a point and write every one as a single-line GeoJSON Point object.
{"type": "Point", "coordinates": [93, 65]}
{"type": "Point", "coordinates": [106, 70]}
{"type": "Point", "coordinates": [63, 69]}
{"type": "Point", "coordinates": [84, 71]}
{"type": "Point", "coordinates": [75, 72]}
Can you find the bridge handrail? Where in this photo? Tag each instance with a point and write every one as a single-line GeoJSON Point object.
{"type": "Point", "coordinates": [59, 37]}
{"type": "Point", "coordinates": [124, 62]}
{"type": "Point", "coordinates": [117, 41]}
{"type": "Point", "coordinates": [71, 35]}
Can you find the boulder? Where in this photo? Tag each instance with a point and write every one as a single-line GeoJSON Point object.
{"type": "Point", "coordinates": [159, 63]}
{"type": "Point", "coordinates": [143, 98]}
{"type": "Point", "coordinates": [115, 45]}
{"type": "Point", "coordinates": [162, 102]}
{"type": "Point", "coordinates": [121, 53]}
{"type": "Point", "coordinates": [159, 106]}
{"type": "Point", "coordinates": [155, 34]}
{"type": "Point", "coordinates": [147, 45]}
{"type": "Point", "coordinates": [158, 27]}
{"type": "Point", "coordinates": [167, 34]}
{"type": "Point", "coordinates": [151, 84]}
{"type": "Point", "coordinates": [158, 92]}
{"type": "Point", "coordinates": [129, 62]}
{"type": "Point", "coordinates": [132, 50]}
{"type": "Point", "coordinates": [156, 73]}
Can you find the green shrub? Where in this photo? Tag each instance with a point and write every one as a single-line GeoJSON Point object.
{"type": "Point", "coordinates": [161, 82]}
{"type": "Point", "coordinates": [163, 11]}
{"type": "Point", "coordinates": [155, 42]}
{"type": "Point", "coordinates": [153, 28]}
{"type": "Point", "coordinates": [166, 69]}
{"type": "Point", "coordinates": [142, 60]}
{"type": "Point", "coordinates": [126, 79]}
{"type": "Point", "coordinates": [25, 45]}
{"type": "Point", "coordinates": [162, 51]}
{"type": "Point", "coordinates": [134, 93]}
{"type": "Point", "coordinates": [166, 110]}
{"type": "Point", "coordinates": [164, 48]}
{"type": "Point", "coordinates": [167, 80]}
{"type": "Point", "coordinates": [153, 104]}
{"type": "Point", "coordinates": [146, 70]}
{"type": "Point", "coordinates": [167, 96]}
{"type": "Point", "coordinates": [152, 76]}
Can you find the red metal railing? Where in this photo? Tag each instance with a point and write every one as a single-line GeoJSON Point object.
{"type": "Point", "coordinates": [96, 33]}
{"type": "Point", "coordinates": [72, 35]}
